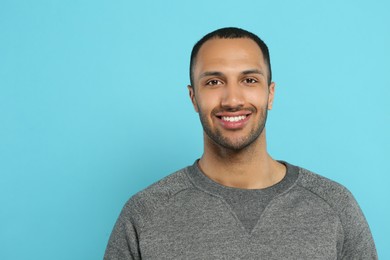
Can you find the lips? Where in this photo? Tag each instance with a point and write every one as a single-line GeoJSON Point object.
{"type": "Point", "coordinates": [233, 120]}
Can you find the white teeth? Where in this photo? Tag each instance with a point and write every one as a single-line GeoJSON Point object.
{"type": "Point", "coordinates": [233, 118]}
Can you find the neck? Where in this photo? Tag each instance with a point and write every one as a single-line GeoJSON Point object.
{"type": "Point", "coordinates": [248, 168]}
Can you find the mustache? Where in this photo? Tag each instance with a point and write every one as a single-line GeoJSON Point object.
{"type": "Point", "coordinates": [233, 109]}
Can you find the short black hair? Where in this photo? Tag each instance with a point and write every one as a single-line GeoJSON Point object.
{"type": "Point", "coordinates": [230, 33]}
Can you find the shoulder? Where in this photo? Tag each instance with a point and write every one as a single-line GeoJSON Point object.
{"type": "Point", "coordinates": [358, 242]}
{"type": "Point", "coordinates": [164, 189]}
{"type": "Point", "coordinates": [138, 211]}
{"type": "Point", "coordinates": [333, 193]}
{"type": "Point", "coordinates": [155, 196]}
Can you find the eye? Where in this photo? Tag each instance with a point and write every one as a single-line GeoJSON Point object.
{"type": "Point", "coordinates": [250, 81]}
{"type": "Point", "coordinates": [213, 82]}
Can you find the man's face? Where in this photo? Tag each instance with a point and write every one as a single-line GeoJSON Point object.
{"type": "Point", "coordinates": [230, 91]}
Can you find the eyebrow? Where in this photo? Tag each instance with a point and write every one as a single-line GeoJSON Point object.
{"type": "Point", "coordinates": [254, 71]}
{"type": "Point", "coordinates": [219, 74]}
{"type": "Point", "coordinates": [211, 73]}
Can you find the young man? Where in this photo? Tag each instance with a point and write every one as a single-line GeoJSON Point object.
{"type": "Point", "coordinates": [236, 202]}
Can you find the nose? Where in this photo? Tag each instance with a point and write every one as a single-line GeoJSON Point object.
{"type": "Point", "coordinates": [232, 97]}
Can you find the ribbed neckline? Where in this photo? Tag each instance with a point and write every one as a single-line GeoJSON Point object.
{"type": "Point", "coordinates": [204, 182]}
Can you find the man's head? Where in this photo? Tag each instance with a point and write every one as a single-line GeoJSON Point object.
{"type": "Point", "coordinates": [230, 33]}
{"type": "Point", "coordinates": [231, 89]}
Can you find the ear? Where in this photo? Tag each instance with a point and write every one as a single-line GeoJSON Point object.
{"type": "Point", "coordinates": [271, 95]}
{"type": "Point", "coordinates": [191, 91]}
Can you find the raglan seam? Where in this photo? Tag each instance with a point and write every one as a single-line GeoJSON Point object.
{"type": "Point", "coordinates": [169, 195]}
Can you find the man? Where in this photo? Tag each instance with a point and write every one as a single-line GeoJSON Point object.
{"type": "Point", "coordinates": [236, 202]}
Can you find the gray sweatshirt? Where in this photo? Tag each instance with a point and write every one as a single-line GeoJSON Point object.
{"type": "Point", "coordinates": [188, 216]}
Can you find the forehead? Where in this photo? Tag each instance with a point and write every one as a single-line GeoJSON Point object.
{"type": "Point", "coordinates": [219, 54]}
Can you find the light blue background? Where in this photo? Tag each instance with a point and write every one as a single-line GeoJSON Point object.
{"type": "Point", "coordinates": [94, 107]}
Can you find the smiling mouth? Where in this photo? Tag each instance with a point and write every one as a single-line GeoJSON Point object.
{"type": "Point", "coordinates": [232, 118]}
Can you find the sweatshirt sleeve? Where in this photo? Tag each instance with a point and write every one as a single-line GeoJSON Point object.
{"type": "Point", "coordinates": [123, 241]}
{"type": "Point", "coordinates": [358, 242]}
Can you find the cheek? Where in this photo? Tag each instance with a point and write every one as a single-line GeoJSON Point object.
{"type": "Point", "coordinates": [206, 103]}
{"type": "Point", "coordinates": [257, 98]}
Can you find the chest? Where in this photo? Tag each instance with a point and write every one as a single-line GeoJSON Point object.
{"type": "Point", "coordinates": [207, 228]}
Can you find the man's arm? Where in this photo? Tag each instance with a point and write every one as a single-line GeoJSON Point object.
{"type": "Point", "coordinates": [358, 241]}
{"type": "Point", "coordinates": [123, 242]}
